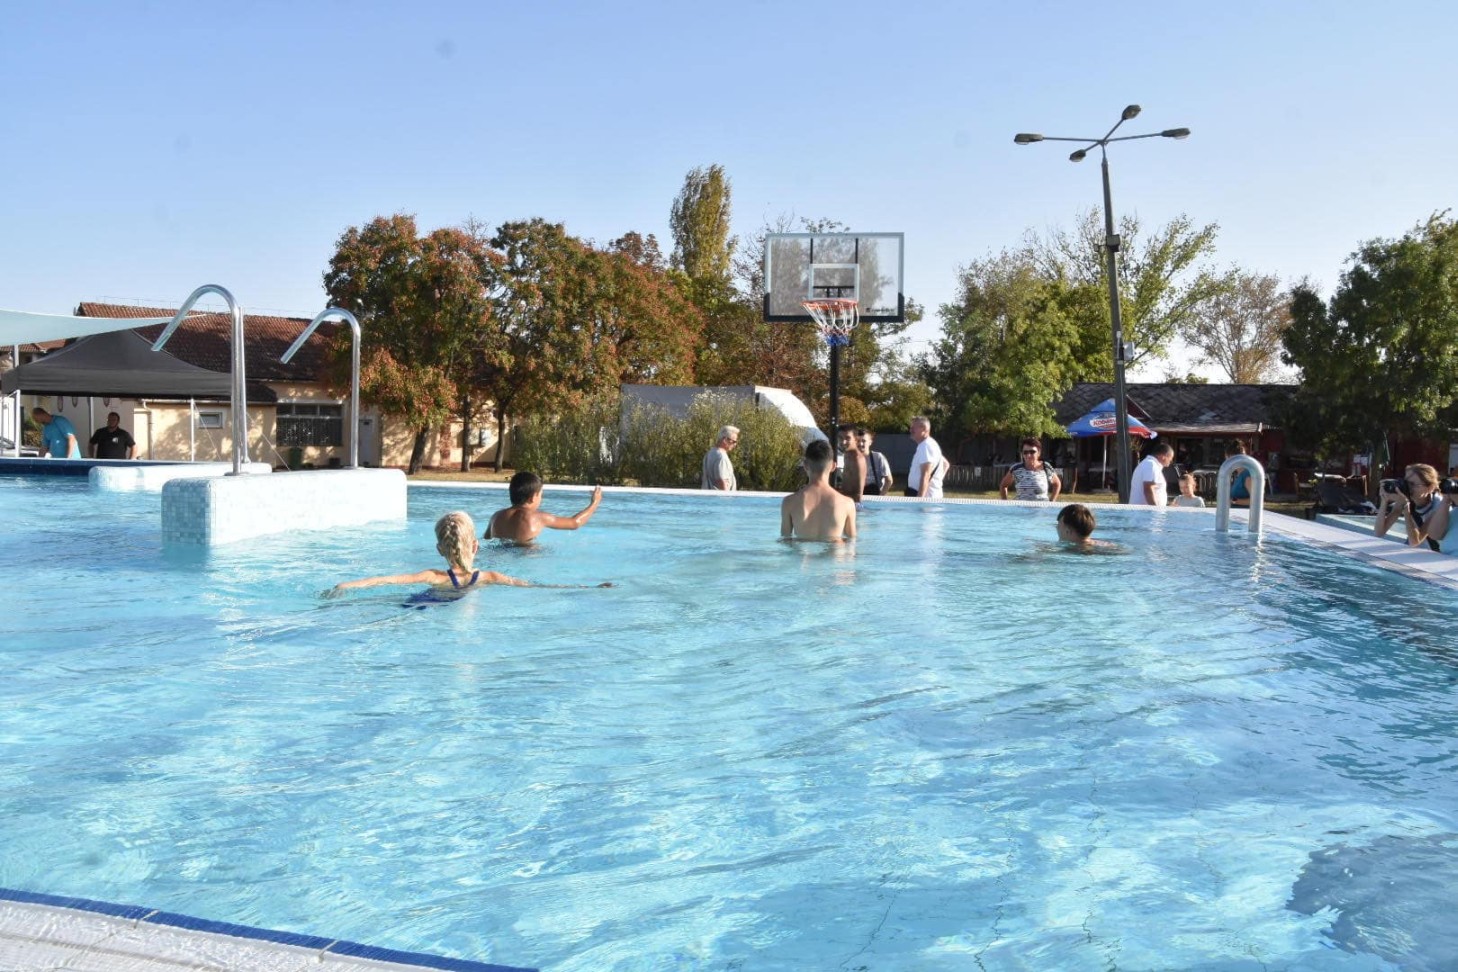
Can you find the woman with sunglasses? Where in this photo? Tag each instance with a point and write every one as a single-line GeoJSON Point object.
{"type": "Point", "coordinates": [1033, 478]}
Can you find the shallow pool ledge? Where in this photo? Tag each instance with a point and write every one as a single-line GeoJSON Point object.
{"type": "Point", "coordinates": [150, 478]}
{"type": "Point", "coordinates": [208, 512]}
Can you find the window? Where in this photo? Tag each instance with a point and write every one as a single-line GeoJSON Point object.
{"type": "Point", "coordinates": [310, 425]}
{"type": "Point", "coordinates": [210, 420]}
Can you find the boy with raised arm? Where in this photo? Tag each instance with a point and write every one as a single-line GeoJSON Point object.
{"type": "Point", "coordinates": [524, 519]}
{"type": "Point", "coordinates": [816, 511]}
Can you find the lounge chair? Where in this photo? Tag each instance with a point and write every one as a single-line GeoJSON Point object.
{"type": "Point", "coordinates": [1333, 495]}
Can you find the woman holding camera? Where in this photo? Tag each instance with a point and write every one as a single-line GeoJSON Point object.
{"type": "Point", "coordinates": [1416, 501]}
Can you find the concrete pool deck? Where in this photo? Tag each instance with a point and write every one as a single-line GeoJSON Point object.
{"type": "Point", "coordinates": [43, 932]}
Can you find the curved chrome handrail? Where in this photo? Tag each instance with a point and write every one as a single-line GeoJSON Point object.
{"type": "Point", "coordinates": [1257, 493]}
{"type": "Point", "coordinates": [238, 395]}
{"type": "Point", "coordinates": [348, 318]}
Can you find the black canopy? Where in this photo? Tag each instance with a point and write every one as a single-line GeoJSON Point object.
{"type": "Point", "coordinates": [122, 364]}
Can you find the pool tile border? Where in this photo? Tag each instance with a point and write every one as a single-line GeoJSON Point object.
{"type": "Point", "coordinates": [316, 946]}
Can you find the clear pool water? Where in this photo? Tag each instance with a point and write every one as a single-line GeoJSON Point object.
{"type": "Point", "coordinates": [953, 747]}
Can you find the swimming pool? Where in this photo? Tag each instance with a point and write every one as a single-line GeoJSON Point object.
{"type": "Point", "coordinates": [951, 747]}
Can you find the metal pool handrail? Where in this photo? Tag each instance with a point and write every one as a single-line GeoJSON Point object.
{"type": "Point", "coordinates": [1257, 493]}
{"type": "Point", "coordinates": [237, 396]}
{"type": "Point", "coordinates": [348, 318]}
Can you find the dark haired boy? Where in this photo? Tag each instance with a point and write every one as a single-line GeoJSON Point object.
{"type": "Point", "coordinates": [1076, 524]}
{"type": "Point", "coordinates": [524, 519]}
{"type": "Point", "coordinates": [816, 511]}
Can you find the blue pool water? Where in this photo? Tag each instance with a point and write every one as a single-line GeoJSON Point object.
{"type": "Point", "coordinates": [951, 747]}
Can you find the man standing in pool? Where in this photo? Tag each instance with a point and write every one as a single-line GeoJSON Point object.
{"type": "Point", "coordinates": [524, 519]}
{"type": "Point", "coordinates": [816, 511]}
{"type": "Point", "coordinates": [718, 471]}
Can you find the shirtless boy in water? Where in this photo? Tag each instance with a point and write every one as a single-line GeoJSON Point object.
{"type": "Point", "coordinates": [524, 519]}
{"type": "Point", "coordinates": [817, 511]}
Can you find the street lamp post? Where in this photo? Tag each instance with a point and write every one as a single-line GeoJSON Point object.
{"type": "Point", "coordinates": [1111, 250]}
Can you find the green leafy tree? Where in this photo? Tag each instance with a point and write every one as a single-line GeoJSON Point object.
{"type": "Point", "coordinates": [1012, 342]}
{"type": "Point", "coordinates": [1162, 282]}
{"type": "Point", "coordinates": [702, 247]}
{"type": "Point", "coordinates": [1239, 327]}
{"type": "Point", "coordinates": [1379, 359]}
{"type": "Point", "coordinates": [423, 316]}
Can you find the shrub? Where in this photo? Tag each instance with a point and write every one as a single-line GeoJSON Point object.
{"type": "Point", "coordinates": [572, 448]}
{"type": "Point", "coordinates": [659, 450]}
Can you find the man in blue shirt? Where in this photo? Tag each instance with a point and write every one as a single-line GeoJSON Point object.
{"type": "Point", "coordinates": [58, 435]}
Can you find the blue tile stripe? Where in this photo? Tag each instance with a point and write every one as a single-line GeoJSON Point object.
{"type": "Point", "coordinates": [331, 945]}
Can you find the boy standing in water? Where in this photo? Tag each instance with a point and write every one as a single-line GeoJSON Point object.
{"type": "Point", "coordinates": [816, 511]}
{"type": "Point", "coordinates": [524, 519]}
{"type": "Point", "coordinates": [1076, 525]}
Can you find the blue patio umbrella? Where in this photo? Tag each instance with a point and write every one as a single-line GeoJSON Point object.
{"type": "Point", "coordinates": [1103, 420]}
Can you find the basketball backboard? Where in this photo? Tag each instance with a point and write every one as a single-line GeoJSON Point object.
{"type": "Point", "coordinates": [867, 267]}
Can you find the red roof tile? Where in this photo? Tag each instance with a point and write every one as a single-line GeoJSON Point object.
{"type": "Point", "coordinates": [205, 340]}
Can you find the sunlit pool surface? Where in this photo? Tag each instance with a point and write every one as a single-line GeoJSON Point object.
{"type": "Point", "coordinates": [952, 747]}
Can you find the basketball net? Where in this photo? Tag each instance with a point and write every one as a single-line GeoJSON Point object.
{"type": "Point", "coordinates": [835, 316]}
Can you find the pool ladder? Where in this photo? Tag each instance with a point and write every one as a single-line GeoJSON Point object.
{"type": "Point", "coordinates": [1257, 493]}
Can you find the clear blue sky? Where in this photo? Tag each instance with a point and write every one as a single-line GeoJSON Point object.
{"type": "Point", "coordinates": [147, 148]}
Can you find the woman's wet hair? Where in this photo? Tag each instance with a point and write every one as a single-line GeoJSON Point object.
{"type": "Point", "coordinates": [454, 534]}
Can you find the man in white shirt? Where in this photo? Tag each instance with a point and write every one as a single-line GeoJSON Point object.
{"type": "Point", "coordinates": [1148, 488]}
{"type": "Point", "coordinates": [927, 467]}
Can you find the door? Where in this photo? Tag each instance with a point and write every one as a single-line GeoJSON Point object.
{"type": "Point", "coordinates": [369, 437]}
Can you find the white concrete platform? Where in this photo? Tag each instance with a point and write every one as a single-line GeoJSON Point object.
{"type": "Point", "coordinates": [41, 933]}
{"type": "Point", "coordinates": [207, 512]}
{"type": "Point", "coordinates": [151, 477]}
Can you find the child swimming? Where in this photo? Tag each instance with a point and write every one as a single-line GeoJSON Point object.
{"type": "Point", "coordinates": [455, 540]}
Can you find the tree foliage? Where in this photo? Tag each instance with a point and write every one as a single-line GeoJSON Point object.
{"type": "Point", "coordinates": [1012, 342]}
{"type": "Point", "coordinates": [423, 315]}
{"type": "Point", "coordinates": [1379, 359]}
{"type": "Point", "coordinates": [699, 219]}
{"type": "Point", "coordinates": [1239, 327]}
{"type": "Point", "coordinates": [1162, 282]}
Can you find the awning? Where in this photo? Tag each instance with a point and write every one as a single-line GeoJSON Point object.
{"type": "Point", "coordinates": [23, 327]}
{"type": "Point", "coordinates": [122, 364]}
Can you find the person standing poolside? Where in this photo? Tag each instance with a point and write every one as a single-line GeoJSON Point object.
{"type": "Point", "coordinates": [816, 511]}
{"type": "Point", "coordinates": [1240, 485]}
{"type": "Point", "coordinates": [853, 476]}
{"type": "Point", "coordinates": [927, 466]}
{"type": "Point", "coordinates": [1148, 487]}
{"type": "Point", "coordinates": [58, 435]}
{"type": "Point", "coordinates": [878, 467]}
{"type": "Point", "coordinates": [524, 519]}
{"type": "Point", "coordinates": [1187, 495]}
{"type": "Point", "coordinates": [111, 441]}
{"type": "Point", "coordinates": [718, 471]}
{"type": "Point", "coordinates": [1034, 478]}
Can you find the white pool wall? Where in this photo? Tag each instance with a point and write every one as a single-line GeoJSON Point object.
{"type": "Point", "coordinates": [208, 512]}
{"type": "Point", "coordinates": [152, 477]}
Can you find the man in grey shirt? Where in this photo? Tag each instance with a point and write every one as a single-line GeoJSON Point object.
{"type": "Point", "coordinates": [718, 471]}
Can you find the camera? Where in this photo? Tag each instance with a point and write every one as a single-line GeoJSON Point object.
{"type": "Point", "coordinates": [1448, 486]}
{"type": "Point", "coordinates": [1397, 486]}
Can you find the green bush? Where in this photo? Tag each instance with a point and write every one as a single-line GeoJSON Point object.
{"type": "Point", "coordinates": [650, 447]}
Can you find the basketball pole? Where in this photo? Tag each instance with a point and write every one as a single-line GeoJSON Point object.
{"type": "Point", "coordinates": [834, 392]}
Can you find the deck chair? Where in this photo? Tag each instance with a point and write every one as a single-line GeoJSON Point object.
{"type": "Point", "coordinates": [1333, 495]}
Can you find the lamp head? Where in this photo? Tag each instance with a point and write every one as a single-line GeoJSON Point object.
{"type": "Point", "coordinates": [1176, 133]}
{"type": "Point", "coordinates": [1027, 138]}
{"type": "Point", "coordinates": [1131, 112]}
{"type": "Point", "coordinates": [1078, 156]}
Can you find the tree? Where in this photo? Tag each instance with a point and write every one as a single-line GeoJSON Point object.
{"type": "Point", "coordinates": [1161, 284]}
{"type": "Point", "coordinates": [1012, 342]}
{"type": "Point", "coordinates": [702, 246]}
{"type": "Point", "coordinates": [1239, 327]}
{"type": "Point", "coordinates": [1379, 359]}
{"type": "Point", "coordinates": [647, 326]}
{"type": "Point", "coordinates": [423, 315]}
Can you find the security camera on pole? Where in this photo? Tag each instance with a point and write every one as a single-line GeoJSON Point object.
{"type": "Point", "coordinates": [1111, 249]}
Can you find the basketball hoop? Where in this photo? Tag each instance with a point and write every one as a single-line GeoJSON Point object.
{"type": "Point", "coordinates": [835, 316]}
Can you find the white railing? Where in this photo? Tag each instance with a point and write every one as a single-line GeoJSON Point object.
{"type": "Point", "coordinates": [348, 318]}
{"type": "Point", "coordinates": [238, 397]}
{"type": "Point", "coordinates": [1257, 493]}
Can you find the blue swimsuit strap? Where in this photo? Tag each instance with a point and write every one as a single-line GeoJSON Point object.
{"type": "Point", "coordinates": [475, 575]}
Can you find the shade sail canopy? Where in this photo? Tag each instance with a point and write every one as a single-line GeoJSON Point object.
{"type": "Point", "coordinates": [122, 364]}
{"type": "Point", "coordinates": [23, 327]}
{"type": "Point", "coordinates": [1103, 420]}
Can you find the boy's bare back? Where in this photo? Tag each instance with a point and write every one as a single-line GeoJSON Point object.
{"type": "Point", "coordinates": [817, 512]}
